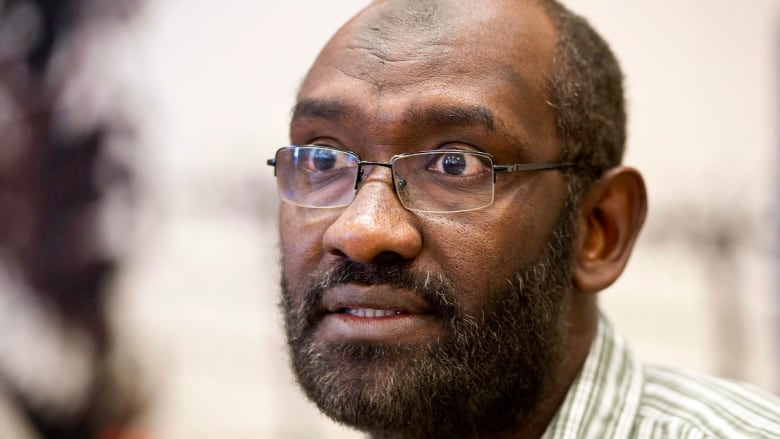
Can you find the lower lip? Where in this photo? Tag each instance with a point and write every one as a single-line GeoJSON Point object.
{"type": "Point", "coordinates": [400, 328]}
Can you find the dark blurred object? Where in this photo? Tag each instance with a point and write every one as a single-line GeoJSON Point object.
{"type": "Point", "coordinates": [50, 200]}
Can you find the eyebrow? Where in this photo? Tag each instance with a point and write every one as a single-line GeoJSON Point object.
{"type": "Point", "coordinates": [437, 115]}
{"type": "Point", "coordinates": [323, 109]}
{"type": "Point", "coordinates": [452, 116]}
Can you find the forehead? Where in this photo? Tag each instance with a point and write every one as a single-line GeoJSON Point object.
{"type": "Point", "coordinates": [399, 64]}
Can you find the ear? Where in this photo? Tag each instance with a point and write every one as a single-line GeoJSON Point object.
{"type": "Point", "coordinates": [611, 214]}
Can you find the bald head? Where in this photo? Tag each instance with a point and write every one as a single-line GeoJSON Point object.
{"type": "Point", "coordinates": [434, 27]}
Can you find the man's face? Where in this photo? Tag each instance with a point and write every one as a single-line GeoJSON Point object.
{"type": "Point", "coordinates": [403, 322]}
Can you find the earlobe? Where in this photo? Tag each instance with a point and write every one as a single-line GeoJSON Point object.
{"type": "Point", "coordinates": [610, 217]}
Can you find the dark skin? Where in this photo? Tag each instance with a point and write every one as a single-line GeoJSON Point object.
{"type": "Point", "coordinates": [383, 93]}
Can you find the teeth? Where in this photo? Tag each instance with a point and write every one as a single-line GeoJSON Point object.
{"type": "Point", "coordinates": [371, 313]}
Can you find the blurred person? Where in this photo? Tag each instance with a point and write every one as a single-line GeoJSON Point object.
{"type": "Point", "coordinates": [61, 376]}
{"type": "Point", "coordinates": [452, 203]}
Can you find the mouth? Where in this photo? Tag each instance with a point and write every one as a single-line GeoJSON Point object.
{"type": "Point", "coordinates": [376, 314]}
{"type": "Point", "coordinates": [370, 313]}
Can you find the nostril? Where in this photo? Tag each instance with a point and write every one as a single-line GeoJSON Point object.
{"type": "Point", "coordinates": [339, 253]}
{"type": "Point", "coordinates": [388, 258]}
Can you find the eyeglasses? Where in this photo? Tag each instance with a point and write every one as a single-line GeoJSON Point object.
{"type": "Point", "coordinates": [436, 181]}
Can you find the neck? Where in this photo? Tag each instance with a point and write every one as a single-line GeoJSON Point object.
{"type": "Point", "coordinates": [582, 325]}
{"type": "Point", "coordinates": [582, 328]}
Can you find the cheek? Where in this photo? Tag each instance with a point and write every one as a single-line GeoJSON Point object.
{"type": "Point", "coordinates": [300, 233]}
{"type": "Point", "coordinates": [471, 256]}
{"type": "Point", "coordinates": [480, 252]}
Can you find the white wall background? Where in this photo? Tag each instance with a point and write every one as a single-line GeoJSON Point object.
{"type": "Point", "coordinates": [215, 82]}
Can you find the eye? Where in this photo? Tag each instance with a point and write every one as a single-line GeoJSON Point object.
{"type": "Point", "coordinates": [324, 159]}
{"type": "Point", "coordinates": [458, 164]}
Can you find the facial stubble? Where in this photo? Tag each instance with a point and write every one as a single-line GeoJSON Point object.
{"type": "Point", "coordinates": [486, 375]}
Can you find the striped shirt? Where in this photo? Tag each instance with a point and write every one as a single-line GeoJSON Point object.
{"type": "Point", "coordinates": [616, 396]}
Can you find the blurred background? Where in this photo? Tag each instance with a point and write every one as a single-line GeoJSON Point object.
{"type": "Point", "coordinates": [196, 95]}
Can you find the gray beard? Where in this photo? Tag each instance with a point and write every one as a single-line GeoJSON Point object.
{"type": "Point", "coordinates": [486, 375]}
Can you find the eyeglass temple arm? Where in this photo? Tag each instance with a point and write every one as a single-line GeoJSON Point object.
{"type": "Point", "coordinates": [518, 167]}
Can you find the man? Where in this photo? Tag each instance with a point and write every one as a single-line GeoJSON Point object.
{"type": "Point", "coordinates": [453, 204]}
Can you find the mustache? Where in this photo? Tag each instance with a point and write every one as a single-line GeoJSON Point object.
{"type": "Point", "coordinates": [434, 288]}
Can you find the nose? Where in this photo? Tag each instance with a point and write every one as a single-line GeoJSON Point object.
{"type": "Point", "coordinates": [375, 227]}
